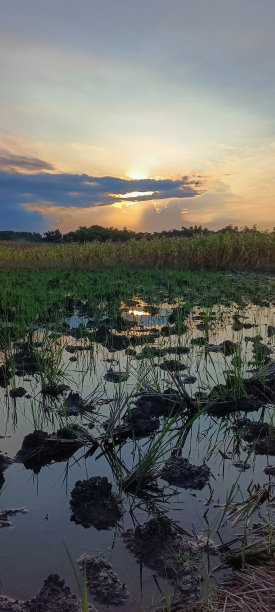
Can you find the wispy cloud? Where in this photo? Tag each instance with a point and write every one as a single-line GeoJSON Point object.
{"type": "Point", "coordinates": [22, 163]}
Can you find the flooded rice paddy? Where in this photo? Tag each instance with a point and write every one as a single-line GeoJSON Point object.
{"type": "Point", "coordinates": [137, 441]}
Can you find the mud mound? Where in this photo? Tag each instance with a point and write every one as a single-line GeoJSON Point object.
{"type": "Point", "coordinates": [94, 503]}
{"type": "Point", "coordinates": [4, 463]}
{"type": "Point", "coordinates": [116, 377]}
{"type": "Point", "coordinates": [40, 448]}
{"type": "Point", "coordinates": [164, 404]}
{"type": "Point", "coordinates": [260, 434]}
{"type": "Point", "coordinates": [172, 365]}
{"type": "Point", "coordinates": [179, 472]}
{"type": "Point", "coordinates": [17, 392]}
{"type": "Point", "coordinates": [53, 597]}
{"type": "Point", "coordinates": [102, 582]}
{"type": "Point", "coordinates": [74, 405]}
{"type": "Point", "coordinates": [138, 422]}
{"type": "Point", "coordinates": [5, 514]}
{"type": "Point", "coordinates": [161, 546]}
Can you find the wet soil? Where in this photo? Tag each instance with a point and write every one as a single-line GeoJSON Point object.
{"type": "Point", "coordinates": [94, 503]}
{"type": "Point", "coordinates": [4, 463]}
{"type": "Point", "coordinates": [76, 405]}
{"type": "Point", "coordinates": [138, 422]}
{"type": "Point", "coordinates": [40, 448]}
{"type": "Point", "coordinates": [102, 581]}
{"type": "Point", "coordinates": [173, 365]}
{"type": "Point", "coordinates": [180, 472]}
{"type": "Point", "coordinates": [7, 513]}
{"type": "Point", "coordinates": [260, 434]}
{"type": "Point", "coordinates": [54, 596]}
{"type": "Point", "coordinates": [164, 404]}
{"type": "Point", "coordinates": [159, 545]}
{"type": "Point", "coordinates": [116, 377]}
{"type": "Point", "coordinates": [17, 392]}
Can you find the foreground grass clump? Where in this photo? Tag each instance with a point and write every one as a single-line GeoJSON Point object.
{"type": "Point", "coordinates": [242, 251]}
{"type": "Point", "coordinates": [252, 590]}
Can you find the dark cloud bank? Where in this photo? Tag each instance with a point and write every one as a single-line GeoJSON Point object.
{"type": "Point", "coordinates": [23, 183]}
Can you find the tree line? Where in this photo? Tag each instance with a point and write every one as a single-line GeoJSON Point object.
{"type": "Point", "coordinates": [97, 233]}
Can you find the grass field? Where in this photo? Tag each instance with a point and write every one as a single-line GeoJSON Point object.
{"type": "Point", "coordinates": [229, 251]}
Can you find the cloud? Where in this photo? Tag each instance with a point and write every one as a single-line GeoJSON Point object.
{"type": "Point", "coordinates": [31, 191]}
{"type": "Point", "coordinates": [22, 163]}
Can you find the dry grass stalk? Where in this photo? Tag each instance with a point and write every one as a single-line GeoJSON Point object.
{"type": "Point", "coordinates": [243, 251]}
{"type": "Point", "coordinates": [252, 590]}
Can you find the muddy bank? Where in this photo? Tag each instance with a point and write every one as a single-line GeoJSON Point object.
{"type": "Point", "coordinates": [54, 596]}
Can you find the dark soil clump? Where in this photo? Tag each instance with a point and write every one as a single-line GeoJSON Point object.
{"type": "Point", "coordinates": [159, 545]}
{"type": "Point", "coordinates": [4, 463]}
{"type": "Point", "coordinates": [116, 377]}
{"type": "Point", "coordinates": [102, 582]}
{"type": "Point", "coordinates": [74, 405]}
{"type": "Point", "coordinates": [40, 448]}
{"type": "Point", "coordinates": [269, 470]}
{"type": "Point", "coordinates": [116, 342]}
{"type": "Point", "coordinates": [5, 375]}
{"type": "Point", "coordinates": [53, 597]}
{"type": "Point", "coordinates": [138, 422]}
{"type": "Point", "coordinates": [173, 365]}
{"type": "Point", "coordinates": [5, 514]}
{"type": "Point", "coordinates": [263, 388]}
{"type": "Point", "coordinates": [228, 347]}
{"type": "Point", "coordinates": [54, 389]}
{"type": "Point", "coordinates": [18, 392]}
{"type": "Point", "coordinates": [224, 407]}
{"type": "Point", "coordinates": [261, 435]}
{"type": "Point", "coordinates": [164, 404]}
{"type": "Point", "coordinates": [188, 380]}
{"type": "Point", "coordinates": [94, 503]}
{"type": "Point", "coordinates": [25, 362]}
{"type": "Point", "coordinates": [179, 472]}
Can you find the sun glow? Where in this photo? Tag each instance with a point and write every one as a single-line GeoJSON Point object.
{"type": "Point", "coordinates": [137, 176]}
{"type": "Point", "coordinates": [133, 194]}
{"type": "Point", "coordinates": [138, 313]}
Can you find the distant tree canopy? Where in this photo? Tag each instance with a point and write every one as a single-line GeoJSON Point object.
{"type": "Point", "coordinates": [97, 233]}
{"type": "Point", "coordinates": [20, 236]}
{"type": "Point", "coordinates": [53, 236]}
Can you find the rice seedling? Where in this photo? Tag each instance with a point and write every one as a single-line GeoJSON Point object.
{"type": "Point", "coordinates": [82, 584]}
{"type": "Point", "coordinates": [77, 326]}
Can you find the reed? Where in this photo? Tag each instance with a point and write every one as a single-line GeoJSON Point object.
{"type": "Point", "coordinates": [242, 251]}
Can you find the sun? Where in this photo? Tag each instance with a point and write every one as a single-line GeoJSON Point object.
{"type": "Point", "coordinates": [136, 176]}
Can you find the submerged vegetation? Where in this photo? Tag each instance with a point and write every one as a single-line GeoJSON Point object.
{"type": "Point", "coordinates": [244, 250]}
{"type": "Point", "coordinates": [125, 393]}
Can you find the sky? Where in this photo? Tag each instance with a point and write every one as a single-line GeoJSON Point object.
{"type": "Point", "coordinates": [149, 114]}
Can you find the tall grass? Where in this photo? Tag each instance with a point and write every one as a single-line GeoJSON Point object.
{"type": "Point", "coordinates": [243, 251]}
